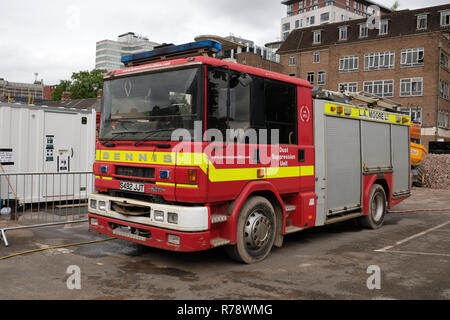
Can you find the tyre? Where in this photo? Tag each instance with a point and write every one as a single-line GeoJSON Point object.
{"type": "Point", "coordinates": [256, 227]}
{"type": "Point", "coordinates": [419, 180]}
{"type": "Point", "coordinates": [377, 209]}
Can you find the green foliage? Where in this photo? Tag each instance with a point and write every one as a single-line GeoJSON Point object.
{"type": "Point", "coordinates": [84, 84]}
{"type": "Point", "coordinates": [395, 6]}
{"type": "Point", "coordinates": [64, 85]}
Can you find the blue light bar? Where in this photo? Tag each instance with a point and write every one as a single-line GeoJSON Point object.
{"type": "Point", "coordinates": [211, 45]}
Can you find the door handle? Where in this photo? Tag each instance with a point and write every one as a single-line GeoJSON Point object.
{"type": "Point", "coordinates": [71, 151]}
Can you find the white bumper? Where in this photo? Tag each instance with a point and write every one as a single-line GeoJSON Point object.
{"type": "Point", "coordinates": [190, 219]}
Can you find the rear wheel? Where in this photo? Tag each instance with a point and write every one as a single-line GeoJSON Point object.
{"type": "Point", "coordinates": [377, 209]}
{"type": "Point", "coordinates": [256, 228]}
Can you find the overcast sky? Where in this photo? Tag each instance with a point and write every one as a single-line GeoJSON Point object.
{"type": "Point", "coordinates": [57, 37]}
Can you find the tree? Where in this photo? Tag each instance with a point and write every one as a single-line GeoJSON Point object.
{"type": "Point", "coordinates": [84, 84]}
{"type": "Point", "coordinates": [64, 85]}
{"type": "Point", "coordinates": [395, 6]}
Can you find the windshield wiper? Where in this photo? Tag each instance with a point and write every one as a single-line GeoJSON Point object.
{"type": "Point", "coordinates": [150, 133]}
{"type": "Point", "coordinates": [115, 134]}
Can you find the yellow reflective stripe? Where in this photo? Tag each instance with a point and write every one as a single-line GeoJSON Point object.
{"type": "Point", "coordinates": [367, 114]}
{"type": "Point", "coordinates": [107, 178]}
{"type": "Point", "coordinates": [165, 184]}
{"type": "Point", "coordinates": [178, 185]}
{"type": "Point", "coordinates": [97, 177]}
{"type": "Point", "coordinates": [201, 160]}
{"type": "Point", "coordinates": [187, 186]}
{"type": "Point", "coordinates": [306, 171]}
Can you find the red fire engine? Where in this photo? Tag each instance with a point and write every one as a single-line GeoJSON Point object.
{"type": "Point", "coordinates": [320, 162]}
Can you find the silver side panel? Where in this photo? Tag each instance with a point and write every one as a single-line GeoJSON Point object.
{"type": "Point", "coordinates": [345, 148]}
{"type": "Point", "coordinates": [400, 159]}
{"type": "Point", "coordinates": [376, 145]}
{"type": "Point", "coordinates": [343, 155]}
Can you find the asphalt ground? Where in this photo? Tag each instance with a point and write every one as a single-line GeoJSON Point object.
{"type": "Point", "coordinates": [411, 253]}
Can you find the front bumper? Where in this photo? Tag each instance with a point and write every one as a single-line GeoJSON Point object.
{"type": "Point", "coordinates": [190, 219]}
{"type": "Point", "coordinates": [156, 237]}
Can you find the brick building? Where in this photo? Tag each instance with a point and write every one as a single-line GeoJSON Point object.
{"type": "Point", "coordinates": [405, 59]}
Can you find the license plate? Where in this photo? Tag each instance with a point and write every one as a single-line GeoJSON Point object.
{"type": "Point", "coordinates": [131, 186]}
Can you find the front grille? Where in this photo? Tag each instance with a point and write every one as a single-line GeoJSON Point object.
{"type": "Point", "coordinates": [138, 172]}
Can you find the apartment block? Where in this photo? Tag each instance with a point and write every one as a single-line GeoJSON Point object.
{"type": "Point", "coordinates": [405, 58]}
{"type": "Point", "coordinates": [307, 13]}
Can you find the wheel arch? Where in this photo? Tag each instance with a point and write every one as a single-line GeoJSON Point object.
{"type": "Point", "coordinates": [256, 188]}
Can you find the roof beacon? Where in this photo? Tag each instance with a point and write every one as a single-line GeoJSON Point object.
{"type": "Point", "coordinates": [204, 47]}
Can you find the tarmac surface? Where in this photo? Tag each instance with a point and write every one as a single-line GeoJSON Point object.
{"type": "Point", "coordinates": [411, 252]}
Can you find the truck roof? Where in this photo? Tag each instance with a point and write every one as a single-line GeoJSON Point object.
{"type": "Point", "coordinates": [208, 61]}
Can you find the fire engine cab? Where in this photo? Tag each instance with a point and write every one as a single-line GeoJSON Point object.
{"type": "Point", "coordinates": [196, 152]}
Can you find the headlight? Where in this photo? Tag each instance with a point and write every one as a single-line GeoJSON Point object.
{"type": "Point", "coordinates": [102, 205]}
{"type": "Point", "coordinates": [172, 217]}
{"type": "Point", "coordinates": [158, 215]}
{"type": "Point", "coordinates": [93, 204]}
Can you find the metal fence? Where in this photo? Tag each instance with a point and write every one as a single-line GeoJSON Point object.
{"type": "Point", "coordinates": [30, 200]}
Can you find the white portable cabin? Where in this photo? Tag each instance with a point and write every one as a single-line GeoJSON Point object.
{"type": "Point", "coordinates": [42, 149]}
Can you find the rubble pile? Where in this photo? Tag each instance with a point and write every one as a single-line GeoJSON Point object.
{"type": "Point", "coordinates": [437, 171]}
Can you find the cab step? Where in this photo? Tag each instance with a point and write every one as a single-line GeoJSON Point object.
{"type": "Point", "coordinates": [292, 229]}
{"type": "Point", "coordinates": [217, 242]}
{"type": "Point", "coordinates": [217, 218]}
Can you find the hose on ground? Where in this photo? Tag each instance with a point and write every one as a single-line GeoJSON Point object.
{"type": "Point", "coordinates": [55, 247]}
{"type": "Point", "coordinates": [419, 210]}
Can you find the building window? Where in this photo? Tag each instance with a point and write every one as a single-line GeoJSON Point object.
{"type": "Point", "coordinates": [316, 57]}
{"type": "Point", "coordinates": [324, 17]}
{"type": "Point", "coordinates": [363, 30]}
{"type": "Point", "coordinates": [379, 60]}
{"type": "Point", "coordinates": [289, 9]}
{"type": "Point", "coordinates": [292, 75]}
{"type": "Point", "coordinates": [443, 119]}
{"type": "Point", "coordinates": [348, 63]}
{"type": "Point", "coordinates": [292, 60]}
{"type": "Point", "coordinates": [411, 87]}
{"type": "Point", "coordinates": [381, 88]}
{"type": "Point", "coordinates": [348, 86]}
{"type": "Point", "coordinates": [412, 57]}
{"type": "Point", "coordinates": [312, 20]}
{"type": "Point", "coordinates": [297, 24]}
{"type": "Point", "coordinates": [286, 26]}
{"type": "Point", "coordinates": [445, 18]}
{"type": "Point", "coordinates": [321, 77]}
{"type": "Point", "coordinates": [443, 89]}
{"type": "Point", "coordinates": [316, 37]}
{"type": "Point", "coordinates": [421, 22]}
{"type": "Point", "coordinates": [384, 27]}
{"type": "Point", "coordinates": [310, 77]}
{"type": "Point", "coordinates": [342, 33]}
{"type": "Point", "coordinates": [414, 113]}
{"type": "Point", "coordinates": [444, 60]}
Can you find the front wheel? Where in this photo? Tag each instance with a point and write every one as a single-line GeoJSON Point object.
{"type": "Point", "coordinates": [377, 208]}
{"type": "Point", "coordinates": [256, 228]}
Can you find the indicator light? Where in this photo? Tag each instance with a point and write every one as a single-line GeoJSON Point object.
{"type": "Point", "coordinates": [260, 173]}
{"type": "Point", "coordinates": [192, 176]}
{"type": "Point", "coordinates": [93, 204]}
{"type": "Point", "coordinates": [104, 169]}
{"type": "Point", "coordinates": [340, 109]}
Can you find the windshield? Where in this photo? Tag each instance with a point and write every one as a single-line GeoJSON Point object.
{"type": "Point", "coordinates": [151, 106]}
